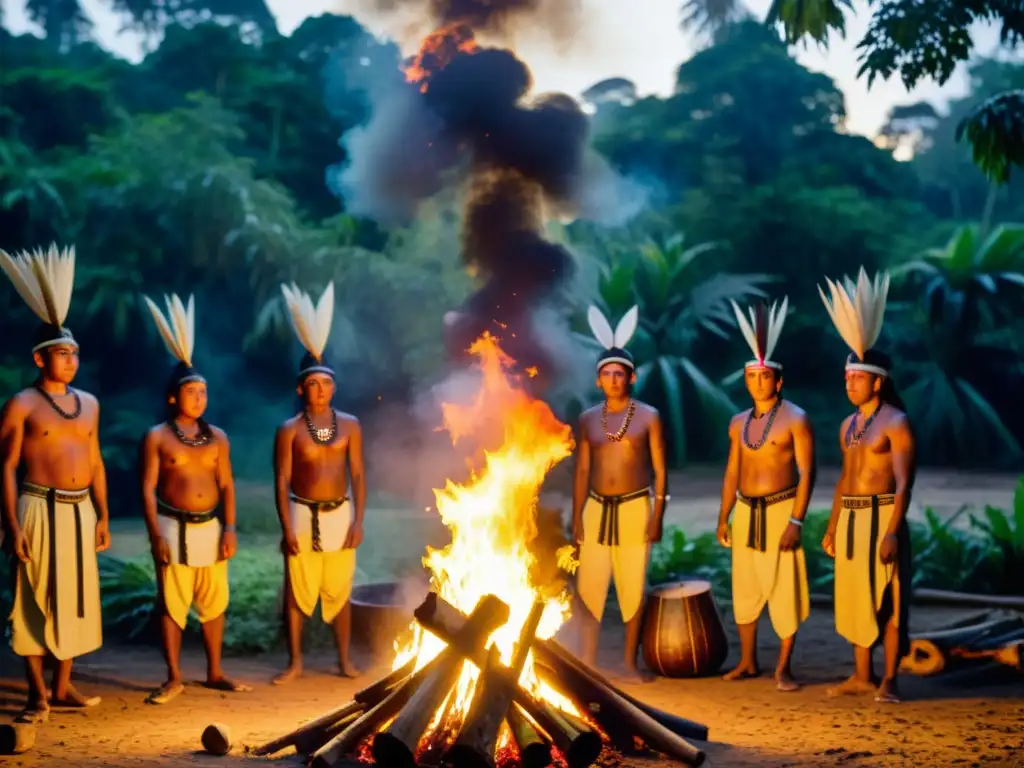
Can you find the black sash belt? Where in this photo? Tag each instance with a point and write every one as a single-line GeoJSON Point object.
{"type": "Point", "coordinates": [610, 514]}
{"type": "Point", "coordinates": [757, 530]}
{"type": "Point", "coordinates": [184, 519]}
{"type": "Point", "coordinates": [315, 508]}
{"type": "Point", "coordinates": [53, 498]}
{"type": "Point", "coordinates": [853, 503]}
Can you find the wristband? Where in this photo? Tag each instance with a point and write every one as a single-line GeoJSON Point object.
{"type": "Point", "coordinates": [229, 528]}
{"type": "Point", "coordinates": [798, 523]}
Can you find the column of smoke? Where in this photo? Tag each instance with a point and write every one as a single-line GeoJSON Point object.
{"type": "Point", "coordinates": [470, 122]}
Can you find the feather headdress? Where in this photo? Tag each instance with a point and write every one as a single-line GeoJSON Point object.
{"type": "Point", "coordinates": [762, 331]}
{"type": "Point", "coordinates": [614, 342]}
{"type": "Point", "coordinates": [45, 280]}
{"type": "Point", "coordinates": [178, 330]}
{"type": "Point", "coordinates": [312, 324]}
{"type": "Point", "coordinates": [857, 311]}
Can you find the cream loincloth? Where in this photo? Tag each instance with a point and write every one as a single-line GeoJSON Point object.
{"type": "Point", "coordinates": [614, 546]}
{"type": "Point", "coordinates": [322, 570]}
{"type": "Point", "coordinates": [196, 575]}
{"type": "Point", "coordinates": [762, 574]}
{"type": "Point", "coordinates": [57, 593]}
{"type": "Point", "coordinates": [862, 580]}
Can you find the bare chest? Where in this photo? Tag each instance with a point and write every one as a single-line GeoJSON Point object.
{"type": "Point", "coordinates": [765, 436]}
{"type": "Point", "coordinates": [306, 450]}
{"type": "Point", "coordinates": [176, 456]}
{"type": "Point", "coordinates": [45, 425]}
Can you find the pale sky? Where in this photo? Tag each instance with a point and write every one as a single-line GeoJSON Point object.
{"type": "Point", "coordinates": [636, 39]}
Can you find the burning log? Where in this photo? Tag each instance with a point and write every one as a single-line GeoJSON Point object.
{"type": "Point", "coordinates": [310, 733]}
{"type": "Point", "coordinates": [443, 619]}
{"type": "Point", "coordinates": [577, 741]}
{"type": "Point", "coordinates": [993, 637]}
{"type": "Point", "coordinates": [474, 748]}
{"type": "Point", "coordinates": [396, 746]}
{"type": "Point", "coordinates": [534, 749]}
{"type": "Point", "coordinates": [598, 687]}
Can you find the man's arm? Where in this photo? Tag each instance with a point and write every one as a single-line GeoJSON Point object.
{"type": "Point", "coordinates": [99, 486]}
{"type": "Point", "coordinates": [731, 481]}
{"type": "Point", "coordinates": [149, 475]}
{"type": "Point", "coordinates": [283, 476]}
{"type": "Point", "coordinates": [357, 471]}
{"type": "Point", "coordinates": [904, 465]}
{"type": "Point", "coordinates": [803, 451]}
{"type": "Point", "coordinates": [837, 496]}
{"type": "Point", "coordinates": [226, 480]}
{"type": "Point", "coordinates": [657, 447]}
{"type": "Point", "coordinates": [581, 479]}
{"type": "Point", "coordinates": [12, 431]}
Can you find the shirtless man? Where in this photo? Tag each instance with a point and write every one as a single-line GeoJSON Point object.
{"type": "Point", "coordinates": [619, 451]}
{"type": "Point", "coordinates": [315, 452]}
{"type": "Point", "coordinates": [867, 531]}
{"type": "Point", "coordinates": [58, 518]}
{"type": "Point", "coordinates": [770, 476]}
{"type": "Point", "coordinates": [188, 498]}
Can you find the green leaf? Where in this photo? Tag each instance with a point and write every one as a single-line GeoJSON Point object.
{"type": "Point", "coordinates": [674, 402]}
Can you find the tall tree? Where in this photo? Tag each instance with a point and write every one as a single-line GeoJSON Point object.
{"type": "Point", "coordinates": [920, 40]}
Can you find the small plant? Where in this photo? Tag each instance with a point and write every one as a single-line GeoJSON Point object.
{"type": "Point", "coordinates": [1005, 544]}
{"type": "Point", "coordinates": [679, 556]}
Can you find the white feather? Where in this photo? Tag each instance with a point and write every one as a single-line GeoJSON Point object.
{"type": "Point", "coordinates": [600, 327]}
{"type": "Point", "coordinates": [42, 275]}
{"type": "Point", "coordinates": [746, 328]}
{"type": "Point", "coordinates": [177, 328]}
{"type": "Point", "coordinates": [312, 324]}
{"type": "Point", "coordinates": [857, 310]}
{"type": "Point", "coordinates": [626, 328]}
{"type": "Point", "coordinates": [776, 319]}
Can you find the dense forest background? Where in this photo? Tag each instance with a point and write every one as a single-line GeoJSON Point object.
{"type": "Point", "coordinates": [208, 168]}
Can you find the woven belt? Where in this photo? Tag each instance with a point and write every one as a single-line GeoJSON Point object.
{"type": "Point", "coordinates": [184, 519]}
{"type": "Point", "coordinates": [53, 498]}
{"type": "Point", "coordinates": [315, 508]}
{"type": "Point", "coordinates": [851, 504]}
{"type": "Point", "coordinates": [756, 531]}
{"type": "Point", "coordinates": [610, 514]}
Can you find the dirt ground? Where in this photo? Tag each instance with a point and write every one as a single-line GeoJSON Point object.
{"type": "Point", "coordinates": [973, 719]}
{"type": "Point", "coordinates": [977, 719]}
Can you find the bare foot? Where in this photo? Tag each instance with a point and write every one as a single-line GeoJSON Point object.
{"type": "Point", "coordinates": [34, 713]}
{"type": "Point", "coordinates": [221, 683]}
{"type": "Point", "coordinates": [743, 671]}
{"type": "Point", "coordinates": [348, 669]}
{"type": "Point", "coordinates": [72, 698]}
{"type": "Point", "coordinates": [633, 675]}
{"type": "Point", "coordinates": [784, 682]}
{"type": "Point", "coordinates": [166, 692]}
{"type": "Point", "coordinates": [887, 692]}
{"type": "Point", "coordinates": [852, 686]}
{"type": "Point", "coordinates": [293, 672]}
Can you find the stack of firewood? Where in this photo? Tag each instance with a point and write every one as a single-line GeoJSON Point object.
{"type": "Point", "coordinates": [390, 719]}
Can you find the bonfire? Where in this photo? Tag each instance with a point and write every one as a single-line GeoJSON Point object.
{"type": "Point", "coordinates": [479, 682]}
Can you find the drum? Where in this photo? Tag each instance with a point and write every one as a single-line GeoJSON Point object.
{"type": "Point", "coordinates": [682, 633]}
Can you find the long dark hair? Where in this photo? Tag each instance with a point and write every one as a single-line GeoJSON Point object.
{"type": "Point", "coordinates": [888, 395]}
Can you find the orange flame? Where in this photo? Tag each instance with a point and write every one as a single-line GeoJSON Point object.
{"type": "Point", "coordinates": [438, 50]}
{"type": "Point", "coordinates": [492, 520]}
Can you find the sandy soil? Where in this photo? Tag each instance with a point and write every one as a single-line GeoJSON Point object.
{"type": "Point", "coordinates": [973, 720]}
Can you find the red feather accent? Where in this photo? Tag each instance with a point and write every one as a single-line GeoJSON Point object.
{"type": "Point", "coordinates": [761, 330]}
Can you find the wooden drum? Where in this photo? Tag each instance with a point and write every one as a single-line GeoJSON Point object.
{"type": "Point", "coordinates": [682, 631]}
